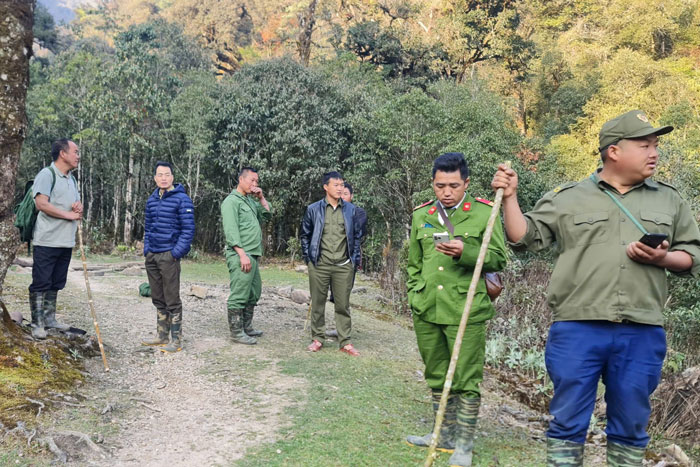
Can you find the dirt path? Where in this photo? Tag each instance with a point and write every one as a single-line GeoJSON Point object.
{"type": "Point", "coordinates": [202, 406]}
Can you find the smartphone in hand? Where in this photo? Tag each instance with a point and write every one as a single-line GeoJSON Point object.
{"type": "Point", "coordinates": [441, 237]}
{"type": "Point", "coordinates": [653, 240]}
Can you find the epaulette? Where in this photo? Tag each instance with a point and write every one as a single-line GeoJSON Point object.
{"type": "Point", "coordinates": [423, 205]}
{"type": "Point", "coordinates": [485, 201]}
{"type": "Point", "coordinates": [564, 186]}
{"type": "Point", "coordinates": [666, 184]}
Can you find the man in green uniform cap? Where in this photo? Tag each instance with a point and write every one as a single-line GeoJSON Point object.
{"type": "Point", "coordinates": [609, 287]}
{"type": "Point", "coordinates": [241, 214]}
{"type": "Point", "coordinates": [439, 274]}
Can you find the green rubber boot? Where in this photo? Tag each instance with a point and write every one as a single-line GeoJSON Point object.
{"type": "Point", "coordinates": [235, 325]}
{"type": "Point", "coordinates": [163, 330]}
{"type": "Point", "coordinates": [446, 442]}
{"type": "Point", "coordinates": [175, 344]}
{"type": "Point", "coordinates": [247, 318]}
{"type": "Point", "coordinates": [50, 322]}
{"type": "Point", "coordinates": [562, 453]}
{"type": "Point", "coordinates": [467, 416]}
{"type": "Point", "coordinates": [36, 305]}
{"type": "Point", "coordinates": [623, 455]}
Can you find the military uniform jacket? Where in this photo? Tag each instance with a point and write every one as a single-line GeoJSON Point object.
{"type": "Point", "coordinates": [593, 278]}
{"type": "Point", "coordinates": [437, 283]}
{"type": "Point", "coordinates": [241, 217]}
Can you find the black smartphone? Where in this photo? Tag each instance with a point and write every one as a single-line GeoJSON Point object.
{"type": "Point", "coordinates": [653, 239]}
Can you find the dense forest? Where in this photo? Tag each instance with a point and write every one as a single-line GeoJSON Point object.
{"type": "Point", "coordinates": [375, 89]}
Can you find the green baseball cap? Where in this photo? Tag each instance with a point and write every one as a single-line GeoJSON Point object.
{"type": "Point", "coordinates": [633, 124]}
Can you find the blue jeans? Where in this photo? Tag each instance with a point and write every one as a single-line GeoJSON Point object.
{"type": "Point", "coordinates": [628, 356]}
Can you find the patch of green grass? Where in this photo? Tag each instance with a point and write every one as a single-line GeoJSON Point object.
{"type": "Point", "coordinates": [214, 272]}
{"type": "Point", "coordinates": [14, 453]}
{"type": "Point", "coordinates": [358, 412]}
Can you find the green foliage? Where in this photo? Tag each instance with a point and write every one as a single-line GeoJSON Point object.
{"type": "Point", "coordinates": [45, 28]}
{"type": "Point", "coordinates": [683, 330]}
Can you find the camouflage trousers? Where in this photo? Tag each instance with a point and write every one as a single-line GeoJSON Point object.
{"type": "Point", "coordinates": [164, 278]}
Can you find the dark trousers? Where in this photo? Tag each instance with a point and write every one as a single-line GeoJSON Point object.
{"type": "Point", "coordinates": [628, 357]}
{"type": "Point", "coordinates": [50, 268]}
{"type": "Point", "coordinates": [164, 277]}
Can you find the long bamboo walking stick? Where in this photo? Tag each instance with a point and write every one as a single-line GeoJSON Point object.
{"type": "Point", "coordinates": [432, 451]}
{"type": "Point", "coordinates": [89, 293]}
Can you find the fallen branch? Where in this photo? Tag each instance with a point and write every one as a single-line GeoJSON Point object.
{"type": "Point", "coordinates": [146, 404]}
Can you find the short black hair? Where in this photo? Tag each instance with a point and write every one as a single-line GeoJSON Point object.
{"type": "Point", "coordinates": [58, 146]}
{"type": "Point", "coordinates": [349, 187]}
{"type": "Point", "coordinates": [604, 153]}
{"type": "Point", "coordinates": [451, 162]}
{"type": "Point", "coordinates": [163, 164]}
{"type": "Point", "coordinates": [245, 170]}
{"type": "Point", "coordinates": [328, 175]}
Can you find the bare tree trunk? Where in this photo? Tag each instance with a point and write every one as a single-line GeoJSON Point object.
{"type": "Point", "coordinates": [117, 208]}
{"type": "Point", "coordinates": [522, 110]}
{"type": "Point", "coordinates": [307, 20]}
{"type": "Point", "coordinates": [128, 216]}
{"type": "Point", "coordinates": [15, 49]}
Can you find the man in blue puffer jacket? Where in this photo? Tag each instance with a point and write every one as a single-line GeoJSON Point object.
{"type": "Point", "coordinates": [168, 235]}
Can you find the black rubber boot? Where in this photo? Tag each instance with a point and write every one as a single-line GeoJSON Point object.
{"type": "Point", "coordinates": [238, 335]}
{"type": "Point", "coordinates": [36, 305]}
{"type": "Point", "coordinates": [163, 330]}
{"type": "Point", "coordinates": [50, 322]}
{"type": "Point", "coordinates": [175, 344]}
{"type": "Point", "coordinates": [247, 318]}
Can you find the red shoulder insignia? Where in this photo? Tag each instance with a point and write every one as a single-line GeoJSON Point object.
{"type": "Point", "coordinates": [485, 201]}
{"type": "Point", "coordinates": [423, 205]}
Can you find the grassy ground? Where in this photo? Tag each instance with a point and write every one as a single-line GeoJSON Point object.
{"type": "Point", "coordinates": [349, 411]}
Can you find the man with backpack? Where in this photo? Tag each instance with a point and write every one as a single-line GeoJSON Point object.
{"type": "Point", "coordinates": [56, 196]}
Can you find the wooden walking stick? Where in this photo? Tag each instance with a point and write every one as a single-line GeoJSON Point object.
{"type": "Point", "coordinates": [89, 293]}
{"type": "Point", "coordinates": [432, 451]}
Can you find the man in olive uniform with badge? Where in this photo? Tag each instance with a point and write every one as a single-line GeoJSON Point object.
{"type": "Point", "coordinates": [617, 234]}
{"type": "Point", "coordinates": [242, 212]}
{"type": "Point", "coordinates": [445, 240]}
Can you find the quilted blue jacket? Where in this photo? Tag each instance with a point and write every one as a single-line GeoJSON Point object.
{"type": "Point", "coordinates": [169, 222]}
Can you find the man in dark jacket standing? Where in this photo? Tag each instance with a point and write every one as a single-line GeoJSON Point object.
{"type": "Point", "coordinates": [168, 235]}
{"type": "Point", "coordinates": [330, 246]}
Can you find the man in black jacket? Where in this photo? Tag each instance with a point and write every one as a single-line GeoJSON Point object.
{"type": "Point", "coordinates": [330, 246]}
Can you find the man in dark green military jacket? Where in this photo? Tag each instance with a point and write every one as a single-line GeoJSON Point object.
{"type": "Point", "coordinates": [241, 214]}
{"type": "Point", "coordinates": [439, 275]}
{"type": "Point", "coordinates": [608, 288]}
